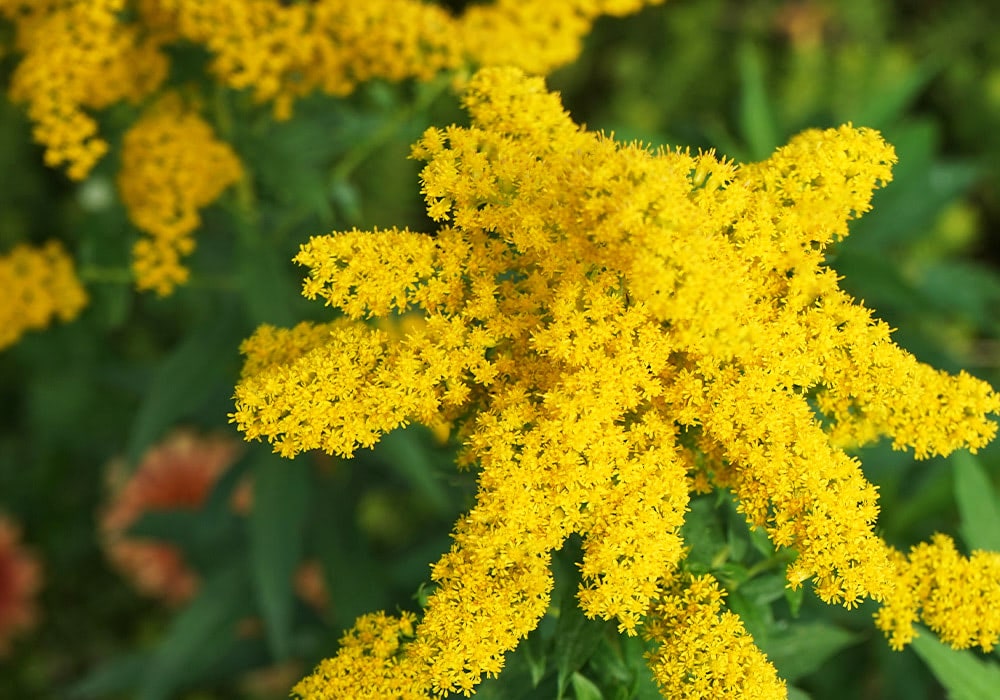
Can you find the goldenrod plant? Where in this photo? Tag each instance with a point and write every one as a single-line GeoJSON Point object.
{"type": "Point", "coordinates": [597, 349]}
{"type": "Point", "coordinates": [610, 330]}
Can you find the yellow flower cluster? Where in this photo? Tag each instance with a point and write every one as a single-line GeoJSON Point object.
{"type": "Point", "coordinates": [284, 50]}
{"type": "Point", "coordinates": [172, 166]}
{"type": "Point", "coordinates": [704, 651]}
{"type": "Point", "coordinates": [78, 56]}
{"type": "Point", "coordinates": [82, 55]}
{"type": "Point", "coordinates": [957, 597]}
{"type": "Point", "coordinates": [375, 642]}
{"type": "Point", "coordinates": [38, 284]}
{"type": "Point", "coordinates": [610, 329]}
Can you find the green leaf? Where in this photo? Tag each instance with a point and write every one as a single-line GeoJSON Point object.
{"type": "Point", "coordinates": [356, 580]}
{"type": "Point", "coordinates": [407, 455]}
{"type": "Point", "coordinates": [794, 597]}
{"type": "Point", "coordinates": [267, 283]}
{"type": "Point", "coordinates": [184, 380]}
{"type": "Point", "coordinates": [118, 675]}
{"type": "Point", "coordinates": [198, 636]}
{"type": "Point", "coordinates": [584, 688]}
{"type": "Point", "coordinates": [534, 658]}
{"type": "Point", "coordinates": [962, 673]}
{"type": "Point", "coordinates": [764, 589]}
{"type": "Point", "coordinates": [576, 639]}
{"type": "Point", "coordinates": [277, 526]}
{"type": "Point", "coordinates": [797, 693]}
{"type": "Point", "coordinates": [978, 504]}
{"type": "Point", "coordinates": [800, 649]}
{"type": "Point", "coordinates": [177, 527]}
{"type": "Point", "coordinates": [757, 122]}
{"type": "Point", "coordinates": [887, 105]}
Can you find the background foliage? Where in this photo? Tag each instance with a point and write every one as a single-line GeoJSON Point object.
{"type": "Point", "coordinates": [740, 77]}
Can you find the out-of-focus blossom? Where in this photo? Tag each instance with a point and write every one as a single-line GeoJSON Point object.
{"type": "Point", "coordinates": [38, 284]}
{"type": "Point", "coordinates": [20, 579]}
{"type": "Point", "coordinates": [177, 474]}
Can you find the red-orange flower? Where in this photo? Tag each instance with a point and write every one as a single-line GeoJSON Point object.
{"type": "Point", "coordinates": [177, 474]}
{"type": "Point", "coordinates": [20, 578]}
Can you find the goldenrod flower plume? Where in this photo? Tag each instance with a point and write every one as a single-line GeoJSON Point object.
{"type": "Point", "coordinates": [610, 329]}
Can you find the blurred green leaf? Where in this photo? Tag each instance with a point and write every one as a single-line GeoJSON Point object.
{"type": "Point", "coordinates": [356, 580]}
{"type": "Point", "coordinates": [797, 694]}
{"type": "Point", "coordinates": [118, 675]}
{"type": "Point", "coordinates": [584, 688]}
{"type": "Point", "coordinates": [964, 675]}
{"type": "Point", "coordinates": [922, 187]}
{"type": "Point", "coordinates": [802, 648]}
{"type": "Point", "coordinates": [267, 284]}
{"type": "Point", "coordinates": [177, 527]}
{"type": "Point", "coordinates": [277, 523]}
{"type": "Point", "coordinates": [764, 589]}
{"type": "Point", "coordinates": [406, 453]}
{"type": "Point", "coordinates": [967, 289]}
{"type": "Point", "coordinates": [886, 106]}
{"type": "Point", "coordinates": [978, 504]}
{"type": "Point", "coordinates": [757, 122]}
{"type": "Point", "coordinates": [794, 597]}
{"type": "Point", "coordinates": [198, 636]}
{"type": "Point", "coordinates": [185, 378]}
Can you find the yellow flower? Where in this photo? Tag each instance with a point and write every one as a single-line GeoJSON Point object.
{"type": "Point", "coordinates": [957, 597]}
{"type": "Point", "coordinates": [172, 166]}
{"type": "Point", "coordinates": [704, 651]}
{"type": "Point", "coordinates": [38, 284]}
{"type": "Point", "coordinates": [78, 56]}
{"type": "Point", "coordinates": [610, 329]}
{"type": "Point", "coordinates": [281, 51]}
{"type": "Point", "coordinates": [83, 55]}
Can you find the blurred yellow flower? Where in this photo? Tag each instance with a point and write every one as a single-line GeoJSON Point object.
{"type": "Point", "coordinates": [79, 56]}
{"type": "Point", "coordinates": [38, 284]}
{"type": "Point", "coordinates": [610, 329]}
{"type": "Point", "coordinates": [172, 166]}
{"type": "Point", "coordinates": [20, 579]}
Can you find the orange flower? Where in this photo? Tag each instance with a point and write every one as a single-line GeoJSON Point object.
{"type": "Point", "coordinates": [20, 578]}
{"type": "Point", "coordinates": [177, 474]}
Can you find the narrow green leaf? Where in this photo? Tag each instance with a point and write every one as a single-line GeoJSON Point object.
{"type": "Point", "coordinates": [576, 639]}
{"type": "Point", "coordinates": [115, 677]}
{"type": "Point", "coordinates": [887, 105]}
{"type": "Point", "coordinates": [584, 688]}
{"type": "Point", "coordinates": [277, 525]}
{"type": "Point", "coordinates": [184, 380]}
{"type": "Point", "coordinates": [978, 504]}
{"type": "Point", "coordinates": [534, 658]}
{"type": "Point", "coordinates": [757, 122]}
{"type": "Point", "coordinates": [198, 636]}
{"type": "Point", "coordinates": [266, 281]}
{"type": "Point", "coordinates": [355, 579]}
{"type": "Point", "coordinates": [962, 673]}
